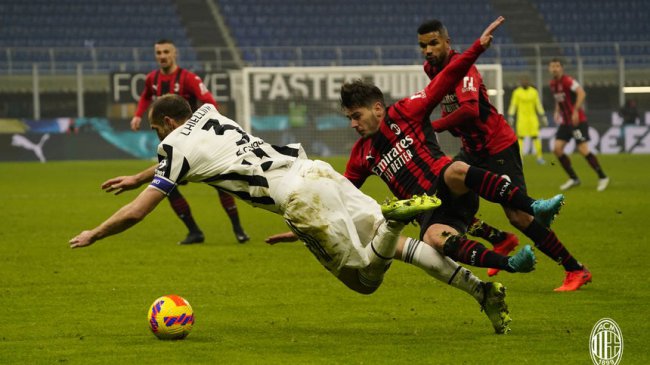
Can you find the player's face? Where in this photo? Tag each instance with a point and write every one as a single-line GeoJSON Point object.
{"type": "Point", "coordinates": [160, 131]}
{"type": "Point", "coordinates": [556, 69]}
{"type": "Point", "coordinates": [434, 47]}
{"type": "Point", "coordinates": [163, 129]}
{"type": "Point", "coordinates": [165, 56]}
{"type": "Point", "coordinates": [364, 120]}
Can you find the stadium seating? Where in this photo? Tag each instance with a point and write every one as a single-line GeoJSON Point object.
{"type": "Point", "coordinates": [343, 32]}
{"type": "Point", "coordinates": [597, 23]}
{"type": "Point", "coordinates": [87, 25]}
{"type": "Point", "coordinates": [348, 24]}
{"type": "Point", "coordinates": [384, 23]}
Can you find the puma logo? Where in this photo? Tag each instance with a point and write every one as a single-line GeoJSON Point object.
{"type": "Point", "coordinates": [18, 140]}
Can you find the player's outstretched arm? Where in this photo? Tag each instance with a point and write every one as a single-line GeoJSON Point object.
{"type": "Point", "coordinates": [281, 237]}
{"type": "Point", "coordinates": [447, 79]}
{"type": "Point", "coordinates": [122, 220]}
{"type": "Point", "coordinates": [486, 37]}
{"type": "Point", "coordinates": [121, 184]}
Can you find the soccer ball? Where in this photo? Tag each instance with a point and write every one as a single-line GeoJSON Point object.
{"type": "Point", "coordinates": [171, 317]}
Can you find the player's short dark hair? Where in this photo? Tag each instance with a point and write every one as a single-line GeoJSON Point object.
{"type": "Point", "coordinates": [555, 59]}
{"type": "Point", "coordinates": [433, 25]}
{"type": "Point", "coordinates": [169, 105]}
{"type": "Point", "coordinates": [359, 93]}
{"type": "Point", "coordinates": [165, 41]}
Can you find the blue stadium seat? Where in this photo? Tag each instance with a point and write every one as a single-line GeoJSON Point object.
{"type": "Point", "coordinates": [596, 21]}
{"type": "Point", "coordinates": [347, 23]}
{"type": "Point", "coordinates": [76, 23]}
{"type": "Point", "coordinates": [304, 23]}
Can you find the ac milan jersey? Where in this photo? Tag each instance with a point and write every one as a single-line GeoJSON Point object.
{"type": "Point", "coordinates": [564, 92]}
{"type": "Point", "coordinates": [213, 149]}
{"type": "Point", "coordinates": [404, 152]}
{"type": "Point", "coordinates": [488, 133]}
{"type": "Point", "coordinates": [181, 82]}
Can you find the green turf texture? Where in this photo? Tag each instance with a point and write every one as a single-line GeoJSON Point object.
{"type": "Point", "coordinates": [261, 304]}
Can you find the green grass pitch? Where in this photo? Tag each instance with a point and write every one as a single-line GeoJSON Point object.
{"type": "Point", "coordinates": [260, 304]}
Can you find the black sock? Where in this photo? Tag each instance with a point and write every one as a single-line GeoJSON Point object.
{"type": "Point", "coordinates": [480, 229]}
{"type": "Point", "coordinates": [229, 205]}
{"type": "Point", "coordinates": [593, 162]}
{"type": "Point", "coordinates": [182, 210]}
{"type": "Point", "coordinates": [497, 189]}
{"type": "Point", "coordinates": [566, 165]}
{"type": "Point", "coordinates": [546, 241]}
{"type": "Point", "coordinates": [459, 248]}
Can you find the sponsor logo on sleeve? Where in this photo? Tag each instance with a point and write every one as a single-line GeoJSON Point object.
{"type": "Point", "coordinates": [162, 166]}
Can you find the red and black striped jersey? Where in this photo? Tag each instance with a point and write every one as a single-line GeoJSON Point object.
{"type": "Point", "coordinates": [405, 152]}
{"type": "Point", "coordinates": [467, 113]}
{"type": "Point", "coordinates": [564, 92]}
{"type": "Point", "coordinates": [182, 82]}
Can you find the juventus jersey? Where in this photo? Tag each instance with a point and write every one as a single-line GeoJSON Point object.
{"type": "Point", "coordinates": [213, 149]}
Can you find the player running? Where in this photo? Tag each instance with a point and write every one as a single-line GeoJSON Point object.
{"type": "Point", "coordinates": [569, 98]}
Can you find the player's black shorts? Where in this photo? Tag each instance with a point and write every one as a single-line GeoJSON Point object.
{"type": "Point", "coordinates": [580, 133]}
{"type": "Point", "coordinates": [456, 212]}
{"type": "Point", "coordinates": [506, 162]}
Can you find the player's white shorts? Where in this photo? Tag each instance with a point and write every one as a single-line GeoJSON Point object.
{"type": "Point", "coordinates": [331, 216]}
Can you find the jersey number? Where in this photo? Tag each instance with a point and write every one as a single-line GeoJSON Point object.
{"type": "Point", "coordinates": [468, 84]}
{"type": "Point", "coordinates": [219, 130]}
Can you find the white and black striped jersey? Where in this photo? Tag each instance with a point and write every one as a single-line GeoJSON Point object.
{"type": "Point", "coordinates": [213, 149]}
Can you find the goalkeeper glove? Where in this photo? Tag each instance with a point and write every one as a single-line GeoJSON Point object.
{"type": "Point", "coordinates": [543, 120]}
{"type": "Point", "coordinates": [511, 120]}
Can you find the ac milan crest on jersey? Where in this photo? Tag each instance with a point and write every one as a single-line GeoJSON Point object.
{"type": "Point", "coordinates": [370, 157]}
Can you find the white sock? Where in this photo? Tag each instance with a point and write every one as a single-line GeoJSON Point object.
{"type": "Point", "coordinates": [441, 267]}
{"type": "Point", "coordinates": [380, 252]}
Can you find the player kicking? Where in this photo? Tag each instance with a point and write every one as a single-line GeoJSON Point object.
{"type": "Point", "coordinates": [396, 148]}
